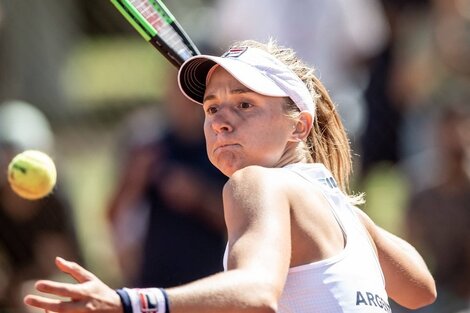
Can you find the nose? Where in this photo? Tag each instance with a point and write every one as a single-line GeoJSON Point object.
{"type": "Point", "coordinates": [220, 123]}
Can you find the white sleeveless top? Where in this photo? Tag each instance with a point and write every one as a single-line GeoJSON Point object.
{"type": "Point", "coordinates": [351, 281]}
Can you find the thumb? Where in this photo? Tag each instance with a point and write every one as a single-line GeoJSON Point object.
{"type": "Point", "coordinates": [80, 274]}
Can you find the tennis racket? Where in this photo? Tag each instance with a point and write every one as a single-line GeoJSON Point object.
{"type": "Point", "coordinates": [156, 24]}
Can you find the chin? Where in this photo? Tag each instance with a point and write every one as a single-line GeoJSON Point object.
{"type": "Point", "coordinates": [228, 169]}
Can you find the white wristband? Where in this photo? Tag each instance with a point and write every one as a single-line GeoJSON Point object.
{"type": "Point", "coordinates": [147, 300]}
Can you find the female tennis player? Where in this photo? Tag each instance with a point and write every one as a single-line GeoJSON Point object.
{"type": "Point", "coordinates": [296, 241]}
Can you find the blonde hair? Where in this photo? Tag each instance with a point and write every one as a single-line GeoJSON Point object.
{"type": "Point", "coordinates": [327, 142]}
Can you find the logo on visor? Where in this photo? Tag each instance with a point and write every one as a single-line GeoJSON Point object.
{"type": "Point", "coordinates": [234, 52]}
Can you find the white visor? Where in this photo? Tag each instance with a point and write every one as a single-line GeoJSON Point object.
{"type": "Point", "coordinates": [252, 67]}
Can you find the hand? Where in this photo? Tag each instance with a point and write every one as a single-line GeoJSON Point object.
{"type": "Point", "coordinates": [89, 295]}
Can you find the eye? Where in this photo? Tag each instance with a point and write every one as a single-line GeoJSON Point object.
{"type": "Point", "coordinates": [245, 105]}
{"type": "Point", "coordinates": [211, 110]}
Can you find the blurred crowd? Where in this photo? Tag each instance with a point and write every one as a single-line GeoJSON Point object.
{"type": "Point", "coordinates": [399, 72]}
{"type": "Point", "coordinates": [32, 233]}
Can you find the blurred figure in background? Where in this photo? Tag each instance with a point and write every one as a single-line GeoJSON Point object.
{"type": "Point", "coordinates": [32, 233]}
{"type": "Point", "coordinates": [381, 144]}
{"type": "Point", "coordinates": [170, 195]}
{"type": "Point", "coordinates": [431, 63]}
{"type": "Point", "coordinates": [438, 217]}
{"type": "Point", "coordinates": [383, 117]}
{"type": "Point", "coordinates": [426, 66]}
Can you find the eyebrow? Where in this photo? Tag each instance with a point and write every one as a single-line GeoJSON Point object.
{"type": "Point", "coordinates": [237, 91]}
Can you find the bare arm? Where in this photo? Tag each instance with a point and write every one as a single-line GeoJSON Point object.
{"type": "Point", "coordinates": [258, 231]}
{"type": "Point", "coordinates": [257, 217]}
{"type": "Point", "coordinates": [408, 280]}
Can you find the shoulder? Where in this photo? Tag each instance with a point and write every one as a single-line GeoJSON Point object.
{"type": "Point", "coordinates": [276, 186]}
{"type": "Point", "coordinates": [256, 187]}
{"type": "Point", "coordinates": [252, 172]}
{"type": "Point", "coordinates": [254, 198]}
{"type": "Point", "coordinates": [255, 178]}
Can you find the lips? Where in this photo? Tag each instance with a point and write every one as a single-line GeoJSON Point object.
{"type": "Point", "coordinates": [225, 146]}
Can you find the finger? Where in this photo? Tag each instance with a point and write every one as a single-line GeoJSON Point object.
{"type": "Point", "coordinates": [60, 289]}
{"type": "Point", "coordinates": [54, 305]}
{"type": "Point", "coordinates": [73, 269]}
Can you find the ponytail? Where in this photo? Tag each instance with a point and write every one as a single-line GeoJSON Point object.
{"type": "Point", "coordinates": [328, 142]}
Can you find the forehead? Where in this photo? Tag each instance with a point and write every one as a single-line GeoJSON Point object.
{"type": "Point", "coordinates": [220, 79]}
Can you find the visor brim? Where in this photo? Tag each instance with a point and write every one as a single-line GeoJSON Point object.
{"type": "Point", "coordinates": [193, 73]}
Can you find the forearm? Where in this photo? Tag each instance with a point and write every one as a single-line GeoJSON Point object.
{"type": "Point", "coordinates": [232, 291]}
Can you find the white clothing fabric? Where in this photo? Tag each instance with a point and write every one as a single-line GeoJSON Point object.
{"type": "Point", "coordinates": [351, 281]}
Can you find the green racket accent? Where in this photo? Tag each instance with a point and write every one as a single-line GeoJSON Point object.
{"type": "Point", "coordinates": [163, 11]}
{"type": "Point", "coordinates": [134, 17]}
{"type": "Point", "coordinates": [156, 24]}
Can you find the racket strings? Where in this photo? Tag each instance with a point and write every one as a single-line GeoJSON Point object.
{"type": "Point", "coordinates": [163, 29]}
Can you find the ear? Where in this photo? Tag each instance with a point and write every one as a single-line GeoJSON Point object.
{"type": "Point", "coordinates": [302, 127]}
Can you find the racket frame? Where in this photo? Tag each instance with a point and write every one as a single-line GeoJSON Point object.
{"type": "Point", "coordinates": [150, 34]}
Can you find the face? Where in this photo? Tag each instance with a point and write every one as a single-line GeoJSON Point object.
{"type": "Point", "coordinates": [243, 127]}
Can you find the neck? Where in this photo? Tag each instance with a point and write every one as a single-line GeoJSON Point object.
{"type": "Point", "coordinates": [294, 154]}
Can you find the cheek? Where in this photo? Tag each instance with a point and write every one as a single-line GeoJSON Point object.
{"type": "Point", "coordinates": [209, 137]}
{"type": "Point", "coordinates": [273, 132]}
{"type": "Point", "coordinates": [208, 134]}
{"type": "Point", "coordinates": [269, 142]}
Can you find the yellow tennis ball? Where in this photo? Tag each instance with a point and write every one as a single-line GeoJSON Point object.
{"type": "Point", "coordinates": [32, 174]}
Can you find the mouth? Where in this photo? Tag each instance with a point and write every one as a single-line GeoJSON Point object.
{"type": "Point", "coordinates": [225, 146]}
